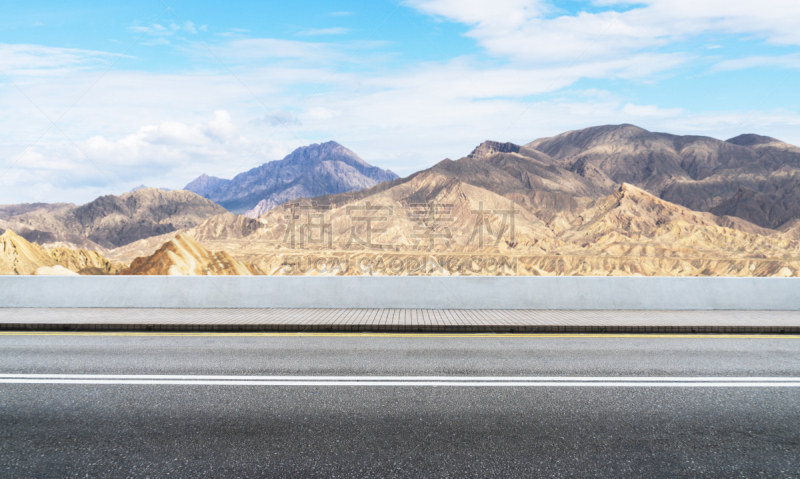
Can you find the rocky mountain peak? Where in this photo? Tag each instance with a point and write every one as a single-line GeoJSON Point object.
{"type": "Point", "coordinates": [489, 148]}
{"type": "Point", "coordinates": [328, 151]}
{"type": "Point", "coordinates": [751, 139]}
{"type": "Point", "coordinates": [144, 187]}
{"type": "Point", "coordinates": [205, 185]}
{"type": "Point", "coordinates": [627, 189]}
{"type": "Point", "coordinates": [309, 171]}
{"type": "Point", "coordinates": [11, 238]}
{"type": "Point", "coordinates": [573, 142]}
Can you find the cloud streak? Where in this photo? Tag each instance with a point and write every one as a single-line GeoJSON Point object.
{"type": "Point", "coordinates": [324, 31]}
{"type": "Point", "coordinates": [531, 30]}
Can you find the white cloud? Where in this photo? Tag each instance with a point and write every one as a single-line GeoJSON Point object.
{"type": "Point", "coordinates": [168, 154]}
{"type": "Point", "coordinates": [531, 30]}
{"type": "Point", "coordinates": [220, 127]}
{"type": "Point", "coordinates": [324, 31]}
{"type": "Point", "coordinates": [463, 80]}
{"type": "Point", "coordinates": [190, 26]}
{"type": "Point", "coordinates": [782, 61]}
{"type": "Point", "coordinates": [38, 60]}
{"type": "Point", "coordinates": [322, 113]}
{"type": "Point", "coordinates": [155, 29]}
{"type": "Point", "coordinates": [173, 143]}
{"type": "Point", "coordinates": [278, 117]}
{"type": "Point", "coordinates": [248, 50]}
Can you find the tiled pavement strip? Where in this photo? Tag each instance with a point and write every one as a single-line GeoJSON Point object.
{"type": "Point", "coordinates": [398, 320]}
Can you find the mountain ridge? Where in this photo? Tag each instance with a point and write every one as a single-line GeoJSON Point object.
{"type": "Point", "coordinates": [111, 221]}
{"type": "Point", "coordinates": [699, 172]}
{"type": "Point", "coordinates": [313, 170]}
{"type": "Point", "coordinates": [690, 198]}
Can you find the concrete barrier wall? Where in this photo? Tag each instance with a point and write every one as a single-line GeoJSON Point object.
{"type": "Point", "coordinates": [574, 293]}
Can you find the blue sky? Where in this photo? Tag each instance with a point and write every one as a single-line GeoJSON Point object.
{"type": "Point", "coordinates": [146, 94]}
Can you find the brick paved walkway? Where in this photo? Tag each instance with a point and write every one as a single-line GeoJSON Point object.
{"type": "Point", "coordinates": [399, 320]}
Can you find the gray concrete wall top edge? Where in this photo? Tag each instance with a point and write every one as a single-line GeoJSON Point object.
{"type": "Point", "coordinates": [425, 292]}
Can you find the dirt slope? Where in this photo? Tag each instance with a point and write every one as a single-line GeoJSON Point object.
{"type": "Point", "coordinates": [19, 256]}
{"type": "Point", "coordinates": [184, 256]}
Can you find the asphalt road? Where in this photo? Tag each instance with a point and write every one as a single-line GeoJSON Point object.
{"type": "Point", "coordinates": [64, 429]}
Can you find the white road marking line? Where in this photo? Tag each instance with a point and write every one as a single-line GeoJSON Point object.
{"type": "Point", "coordinates": [403, 378]}
{"type": "Point", "coordinates": [513, 381]}
{"type": "Point", "coordinates": [401, 383]}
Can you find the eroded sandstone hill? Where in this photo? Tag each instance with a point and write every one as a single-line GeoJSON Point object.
{"type": "Point", "coordinates": [183, 255]}
{"type": "Point", "coordinates": [19, 256]}
{"type": "Point", "coordinates": [227, 226]}
{"type": "Point", "coordinates": [628, 232]}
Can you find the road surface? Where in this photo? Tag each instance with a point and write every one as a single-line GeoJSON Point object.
{"type": "Point", "coordinates": [289, 405]}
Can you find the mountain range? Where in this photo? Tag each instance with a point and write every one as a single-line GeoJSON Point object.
{"type": "Point", "coordinates": [750, 176]}
{"type": "Point", "coordinates": [614, 199]}
{"type": "Point", "coordinates": [313, 170]}
{"type": "Point", "coordinates": [109, 221]}
{"type": "Point", "coordinates": [628, 232]}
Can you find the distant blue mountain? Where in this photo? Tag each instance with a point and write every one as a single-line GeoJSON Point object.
{"type": "Point", "coordinates": [309, 171]}
{"type": "Point", "coordinates": [141, 187]}
{"type": "Point", "coordinates": [205, 185]}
